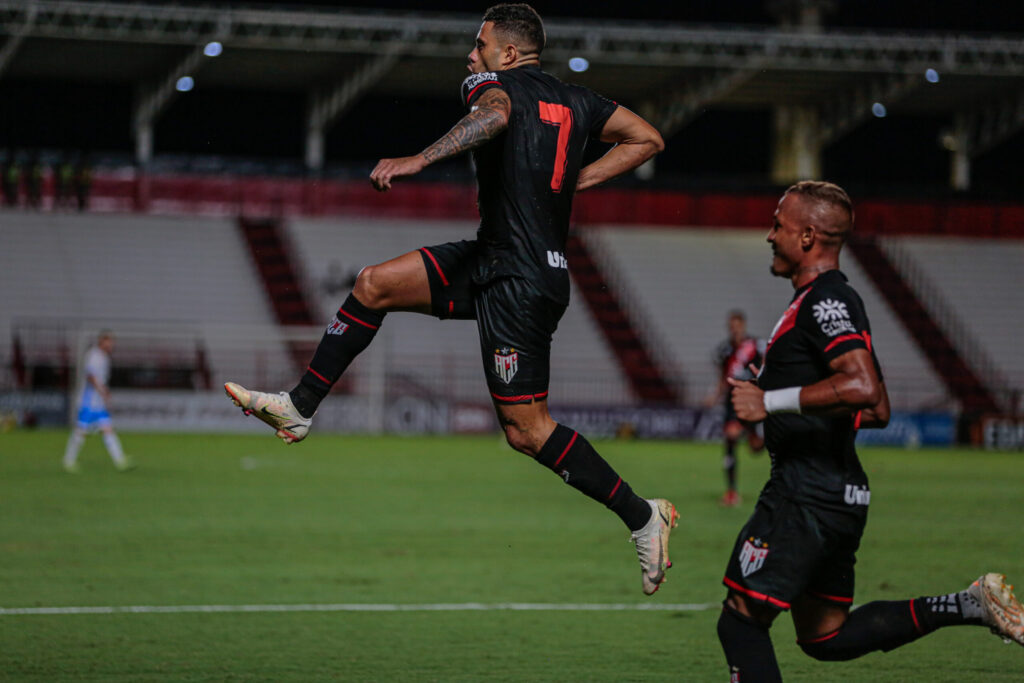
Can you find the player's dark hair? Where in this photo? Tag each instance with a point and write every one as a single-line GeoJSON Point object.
{"type": "Point", "coordinates": [834, 196]}
{"type": "Point", "coordinates": [520, 24]}
{"type": "Point", "coordinates": [737, 314]}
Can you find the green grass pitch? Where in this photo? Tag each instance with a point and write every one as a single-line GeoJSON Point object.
{"type": "Point", "coordinates": [219, 520]}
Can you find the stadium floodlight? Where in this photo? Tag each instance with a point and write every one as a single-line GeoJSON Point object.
{"type": "Point", "coordinates": [184, 84]}
{"type": "Point", "coordinates": [878, 109]}
{"type": "Point", "coordinates": [579, 64]}
{"type": "Point", "coordinates": [931, 75]}
{"type": "Point", "coordinates": [213, 49]}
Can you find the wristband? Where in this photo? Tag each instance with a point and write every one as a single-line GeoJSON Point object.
{"type": "Point", "coordinates": [782, 400]}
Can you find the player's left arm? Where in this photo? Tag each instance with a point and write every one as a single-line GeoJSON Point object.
{"type": "Point", "coordinates": [488, 118]}
{"type": "Point", "coordinates": [853, 386]}
{"type": "Point", "coordinates": [635, 140]}
{"type": "Point", "coordinates": [876, 417]}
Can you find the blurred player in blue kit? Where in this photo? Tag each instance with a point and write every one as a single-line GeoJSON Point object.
{"type": "Point", "coordinates": [93, 405]}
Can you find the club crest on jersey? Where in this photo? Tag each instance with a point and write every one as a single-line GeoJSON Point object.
{"type": "Point", "coordinates": [336, 327]}
{"type": "Point", "coordinates": [752, 555]}
{"type": "Point", "coordinates": [506, 362]}
{"type": "Point", "coordinates": [833, 317]}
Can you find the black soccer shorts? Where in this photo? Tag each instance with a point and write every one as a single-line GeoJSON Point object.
{"type": "Point", "coordinates": [788, 548]}
{"type": "Point", "coordinates": [514, 320]}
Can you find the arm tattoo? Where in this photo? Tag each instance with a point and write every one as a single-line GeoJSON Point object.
{"type": "Point", "coordinates": [474, 129]}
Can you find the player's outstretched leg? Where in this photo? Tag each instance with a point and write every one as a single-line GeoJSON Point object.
{"type": "Point", "coordinates": [276, 410]}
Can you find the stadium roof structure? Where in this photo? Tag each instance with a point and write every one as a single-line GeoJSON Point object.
{"type": "Point", "coordinates": [831, 80]}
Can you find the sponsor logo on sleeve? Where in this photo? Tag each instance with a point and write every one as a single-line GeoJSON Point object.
{"type": "Point", "coordinates": [833, 317]}
{"type": "Point", "coordinates": [476, 79]}
{"type": "Point", "coordinates": [752, 555]}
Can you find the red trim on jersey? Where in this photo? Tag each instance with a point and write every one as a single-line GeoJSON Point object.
{"type": "Point", "coordinates": [867, 339]}
{"type": "Point", "coordinates": [856, 419]}
{"type": "Point", "coordinates": [519, 398]}
{"type": "Point", "coordinates": [352, 317]}
{"type": "Point", "coordinates": [833, 598]}
{"type": "Point", "coordinates": [913, 614]}
{"type": "Point", "coordinates": [451, 306]}
{"type": "Point", "coordinates": [433, 260]}
{"type": "Point", "coordinates": [844, 338]}
{"type": "Point", "coordinates": [571, 442]}
{"type": "Point", "coordinates": [819, 639]}
{"type": "Point", "coordinates": [788, 321]}
{"type": "Point", "coordinates": [754, 594]}
{"type": "Point", "coordinates": [615, 488]}
{"type": "Point", "coordinates": [470, 95]}
{"type": "Point", "coordinates": [309, 368]}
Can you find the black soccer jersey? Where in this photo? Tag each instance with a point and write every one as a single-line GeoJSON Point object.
{"type": "Point", "coordinates": [813, 456]}
{"type": "Point", "coordinates": [732, 359]}
{"type": "Point", "coordinates": [527, 175]}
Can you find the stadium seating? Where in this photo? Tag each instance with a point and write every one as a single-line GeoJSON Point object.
{"type": "Point", "coordinates": [683, 283]}
{"type": "Point", "coordinates": [176, 277]}
{"type": "Point", "coordinates": [979, 281]}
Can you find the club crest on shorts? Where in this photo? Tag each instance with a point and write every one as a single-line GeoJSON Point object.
{"type": "Point", "coordinates": [506, 362]}
{"type": "Point", "coordinates": [752, 555]}
{"type": "Point", "coordinates": [336, 327]}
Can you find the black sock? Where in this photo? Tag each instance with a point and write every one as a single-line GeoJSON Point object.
{"type": "Point", "coordinates": [571, 457]}
{"type": "Point", "coordinates": [729, 464]}
{"type": "Point", "coordinates": [748, 648]}
{"type": "Point", "coordinates": [880, 625]}
{"type": "Point", "coordinates": [351, 331]}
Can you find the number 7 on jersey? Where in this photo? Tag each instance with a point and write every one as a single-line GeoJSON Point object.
{"type": "Point", "coordinates": [559, 116]}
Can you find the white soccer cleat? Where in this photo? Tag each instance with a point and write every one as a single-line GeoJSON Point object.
{"type": "Point", "coordinates": [652, 544]}
{"type": "Point", "coordinates": [276, 410]}
{"type": "Point", "coordinates": [1002, 611]}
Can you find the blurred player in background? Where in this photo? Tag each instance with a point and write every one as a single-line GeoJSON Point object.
{"type": "Point", "coordinates": [733, 358]}
{"type": "Point", "coordinates": [528, 131]}
{"type": "Point", "coordinates": [92, 408]}
{"type": "Point", "coordinates": [819, 384]}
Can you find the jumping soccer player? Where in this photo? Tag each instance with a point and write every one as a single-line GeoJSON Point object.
{"type": "Point", "coordinates": [527, 130]}
{"type": "Point", "coordinates": [92, 408]}
{"type": "Point", "coordinates": [733, 357]}
{"type": "Point", "coordinates": [820, 382]}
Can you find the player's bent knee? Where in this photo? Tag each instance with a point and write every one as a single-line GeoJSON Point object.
{"type": "Point", "coordinates": [370, 288]}
{"type": "Point", "coordinates": [829, 648]}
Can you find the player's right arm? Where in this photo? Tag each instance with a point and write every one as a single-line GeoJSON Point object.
{"type": "Point", "coordinates": [635, 140]}
{"type": "Point", "coordinates": [488, 118]}
{"type": "Point", "coordinates": [853, 386]}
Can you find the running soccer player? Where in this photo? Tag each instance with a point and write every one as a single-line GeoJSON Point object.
{"type": "Point", "coordinates": [92, 408]}
{"type": "Point", "coordinates": [820, 382]}
{"type": "Point", "coordinates": [527, 130]}
{"type": "Point", "coordinates": [734, 357]}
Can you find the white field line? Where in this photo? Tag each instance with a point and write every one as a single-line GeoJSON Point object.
{"type": "Point", "coordinates": [358, 607]}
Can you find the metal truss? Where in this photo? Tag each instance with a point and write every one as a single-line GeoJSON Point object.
{"type": "Point", "coordinates": [850, 110]}
{"type": "Point", "coordinates": [347, 31]}
{"type": "Point", "coordinates": [684, 105]}
{"type": "Point", "coordinates": [986, 127]}
{"type": "Point", "coordinates": [326, 107]}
